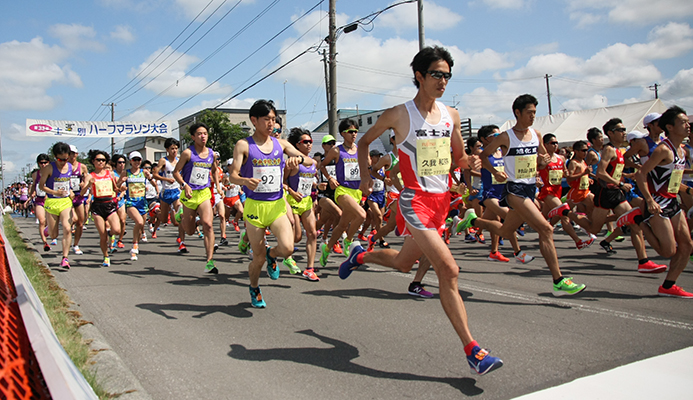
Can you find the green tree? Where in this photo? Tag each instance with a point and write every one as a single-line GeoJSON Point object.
{"type": "Point", "coordinates": [223, 135]}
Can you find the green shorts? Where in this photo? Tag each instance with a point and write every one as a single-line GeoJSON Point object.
{"type": "Point", "coordinates": [198, 197]}
{"type": "Point", "coordinates": [300, 207]}
{"type": "Point", "coordinates": [56, 206]}
{"type": "Point", "coordinates": [262, 213]}
{"type": "Point", "coordinates": [341, 190]}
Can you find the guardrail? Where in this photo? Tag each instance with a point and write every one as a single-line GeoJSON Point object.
{"type": "Point", "coordinates": [33, 364]}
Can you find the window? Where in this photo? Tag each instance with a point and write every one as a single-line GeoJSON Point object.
{"type": "Point", "coordinates": [360, 122]}
{"type": "Point", "coordinates": [370, 120]}
{"type": "Point", "coordinates": [158, 155]}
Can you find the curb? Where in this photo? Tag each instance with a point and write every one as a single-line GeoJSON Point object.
{"type": "Point", "coordinates": [110, 370]}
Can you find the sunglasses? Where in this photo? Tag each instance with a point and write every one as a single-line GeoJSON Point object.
{"type": "Point", "coordinates": [581, 150]}
{"type": "Point", "coordinates": [136, 159]}
{"type": "Point", "coordinates": [331, 143]}
{"type": "Point", "coordinates": [618, 130]}
{"type": "Point", "coordinates": [100, 160]}
{"type": "Point", "coordinates": [61, 159]}
{"type": "Point", "coordinates": [147, 168]}
{"type": "Point", "coordinates": [307, 141]}
{"type": "Point", "coordinates": [351, 131]}
{"type": "Point", "coordinates": [43, 162]}
{"type": "Point", "coordinates": [277, 130]}
{"type": "Point", "coordinates": [120, 162]}
{"type": "Point", "coordinates": [440, 74]}
{"type": "Point", "coordinates": [554, 143]}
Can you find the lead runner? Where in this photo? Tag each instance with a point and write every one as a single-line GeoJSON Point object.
{"type": "Point", "coordinates": [424, 131]}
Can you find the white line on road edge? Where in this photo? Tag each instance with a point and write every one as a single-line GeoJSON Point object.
{"type": "Point", "coordinates": [539, 300]}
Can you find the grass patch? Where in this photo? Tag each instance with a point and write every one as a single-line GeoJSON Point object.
{"type": "Point", "coordinates": [57, 305]}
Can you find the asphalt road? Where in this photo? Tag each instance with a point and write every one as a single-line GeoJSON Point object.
{"type": "Point", "coordinates": [187, 335]}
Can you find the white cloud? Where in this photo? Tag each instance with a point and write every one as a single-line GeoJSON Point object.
{"type": "Point", "coordinates": [406, 17]}
{"type": "Point", "coordinates": [679, 89]}
{"type": "Point", "coordinates": [585, 19]}
{"type": "Point", "coordinates": [170, 77]}
{"type": "Point", "coordinates": [625, 11]}
{"type": "Point", "coordinates": [9, 168]}
{"type": "Point", "coordinates": [76, 37]}
{"type": "Point", "coordinates": [506, 4]}
{"type": "Point", "coordinates": [28, 70]}
{"type": "Point", "coordinates": [191, 8]}
{"type": "Point", "coordinates": [123, 33]}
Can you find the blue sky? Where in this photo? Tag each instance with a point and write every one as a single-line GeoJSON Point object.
{"type": "Point", "coordinates": [62, 60]}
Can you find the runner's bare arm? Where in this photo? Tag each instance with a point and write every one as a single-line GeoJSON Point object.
{"type": "Point", "coordinates": [331, 155]}
{"type": "Point", "coordinates": [394, 118]}
{"type": "Point", "coordinates": [608, 154]}
{"type": "Point", "coordinates": [659, 155]}
{"type": "Point", "coordinates": [85, 188]}
{"type": "Point", "coordinates": [45, 173]}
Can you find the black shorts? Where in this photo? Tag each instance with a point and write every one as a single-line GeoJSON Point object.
{"type": "Point", "coordinates": [669, 206]}
{"type": "Point", "coordinates": [608, 198]}
{"type": "Point", "coordinates": [523, 190]}
{"type": "Point", "coordinates": [103, 209]}
{"type": "Point", "coordinates": [151, 202]}
{"type": "Point", "coordinates": [327, 193]}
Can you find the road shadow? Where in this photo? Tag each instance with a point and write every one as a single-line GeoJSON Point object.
{"type": "Point", "coordinates": [339, 358]}
{"type": "Point", "coordinates": [239, 310]}
{"type": "Point", "coordinates": [378, 294]}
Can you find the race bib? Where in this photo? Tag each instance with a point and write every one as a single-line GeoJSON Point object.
{"type": "Point", "coordinates": [584, 182]}
{"type": "Point", "coordinates": [433, 156]}
{"type": "Point", "coordinates": [305, 185]}
{"type": "Point", "coordinates": [618, 172]}
{"type": "Point", "coordinates": [199, 176]}
{"type": "Point", "coordinates": [378, 185]}
{"type": "Point", "coordinates": [39, 192]}
{"type": "Point", "coordinates": [555, 176]}
{"type": "Point", "coordinates": [675, 180]}
{"type": "Point", "coordinates": [352, 171]}
{"type": "Point", "coordinates": [270, 179]}
{"type": "Point", "coordinates": [104, 188]}
{"type": "Point", "coordinates": [74, 183]}
{"type": "Point", "coordinates": [232, 191]}
{"type": "Point", "coordinates": [526, 167]}
{"type": "Point", "coordinates": [331, 170]}
{"type": "Point", "coordinates": [62, 185]}
{"type": "Point", "coordinates": [493, 177]}
{"type": "Point", "coordinates": [136, 190]}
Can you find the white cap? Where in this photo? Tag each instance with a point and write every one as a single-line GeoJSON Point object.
{"type": "Point", "coordinates": [635, 135]}
{"type": "Point", "coordinates": [134, 154]}
{"type": "Point", "coordinates": [73, 148]}
{"type": "Point", "coordinates": [229, 161]}
{"type": "Point", "coordinates": [649, 118]}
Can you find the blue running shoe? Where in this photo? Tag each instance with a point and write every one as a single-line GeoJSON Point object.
{"type": "Point", "coordinates": [256, 298]}
{"type": "Point", "coordinates": [350, 264]}
{"type": "Point", "coordinates": [521, 230]}
{"type": "Point", "coordinates": [481, 363]}
{"type": "Point", "coordinates": [272, 269]}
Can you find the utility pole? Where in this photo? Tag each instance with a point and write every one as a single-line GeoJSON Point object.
{"type": "Point", "coordinates": [332, 116]}
{"type": "Point", "coordinates": [655, 87]}
{"type": "Point", "coordinates": [548, 91]}
{"type": "Point", "coordinates": [422, 36]}
{"type": "Point", "coordinates": [112, 105]}
{"type": "Point", "coordinates": [327, 86]}
{"type": "Point", "coordinates": [286, 109]}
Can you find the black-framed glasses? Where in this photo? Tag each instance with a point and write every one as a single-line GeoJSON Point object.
{"type": "Point", "coordinates": [307, 141]}
{"type": "Point", "coordinates": [99, 160]}
{"type": "Point", "coordinates": [440, 74]}
{"type": "Point", "coordinates": [351, 131]}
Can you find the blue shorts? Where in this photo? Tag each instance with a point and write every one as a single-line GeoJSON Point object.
{"type": "Point", "coordinates": [121, 202]}
{"type": "Point", "coordinates": [378, 198]}
{"type": "Point", "coordinates": [478, 196]}
{"type": "Point", "coordinates": [523, 190]}
{"type": "Point", "coordinates": [140, 204]}
{"type": "Point", "coordinates": [169, 196]}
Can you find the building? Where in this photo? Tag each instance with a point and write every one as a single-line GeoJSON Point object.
{"type": "Point", "coordinates": [151, 148]}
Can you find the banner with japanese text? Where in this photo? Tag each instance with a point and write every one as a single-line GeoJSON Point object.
{"type": "Point", "coordinates": [98, 129]}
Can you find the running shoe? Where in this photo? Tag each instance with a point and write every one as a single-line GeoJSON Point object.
{"type": "Point", "coordinates": [497, 256]}
{"type": "Point", "coordinates": [371, 243]}
{"type": "Point", "coordinates": [210, 268]}
{"type": "Point", "coordinates": [651, 268]}
{"type": "Point", "coordinates": [291, 265]}
{"type": "Point", "coordinates": [46, 247]}
{"type": "Point", "coordinates": [243, 246]}
{"type": "Point", "coordinates": [216, 247]}
{"type": "Point", "coordinates": [106, 262]}
{"type": "Point", "coordinates": [272, 269]}
{"type": "Point", "coordinates": [54, 242]}
{"type": "Point", "coordinates": [135, 249]}
{"type": "Point", "coordinates": [417, 289]}
{"type": "Point", "coordinates": [310, 275]}
{"type": "Point", "coordinates": [144, 238]}
{"type": "Point", "coordinates": [200, 235]}
{"type": "Point", "coordinates": [566, 287]}
{"type": "Point", "coordinates": [455, 220]}
{"type": "Point", "coordinates": [178, 240]}
{"type": "Point", "coordinates": [361, 237]}
{"type": "Point", "coordinates": [467, 221]}
{"type": "Point", "coordinates": [77, 250]}
{"type": "Point", "coordinates": [179, 214]}
{"type": "Point", "coordinates": [481, 362]}
{"type": "Point", "coordinates": [182, 249]}
{"type": "Point", "coordinates": [521, 231]}
{"type": "Point", "coordinates": [267, 232]}
{"type": "Point", "coordinates": [337, 248]}
{"type": "Point", "coordinates": [347, 247]}
{"type": "Point", "coordinates": [523, 258]}
{"type": "Point", "coordinates": [383, 244]}
{"type": "Point", "coordinates": [120, 244]}
{"type": "Point", "coordinates": [351, 264]}
{"type": "Point", "coordinates": [607, 247]}
{"type": "Point", "coordinates": [501, 242]}
{"type": "Point", "coordinates": [133, 256]}
{"type": "Point", "coordinates": [675, 291]}
{"type": "Point", "coordinates": [45, 232]}
{"type": "Point", "coordinates": [235, 226]}
{"type": "Point", "coordinates": [583, 244]}
{"type": "Point", "coordinates": [557, 211]}
{"type": "Point", "coordinates": [65, 263]}
{"type": "Point", "coordinates": [256, 298]}
{"type": "Point", "coordinates": [629, 217]}
{"type": "Point", "coordinates": [154, 235]}
{"type": "Point", "coordinates": [470, 238]}
{"type": "Point", "coordinates": [480, 237]}
{"type": "Point", "coordinates": [324, 253]}
{"type": "Point", "coordinates": [223, 242]}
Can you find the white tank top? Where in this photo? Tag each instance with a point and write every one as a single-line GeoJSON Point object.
{"type": "Point", "coordinates": [521, 158]}
{"type": "Point", "coordinates": [168, 173]}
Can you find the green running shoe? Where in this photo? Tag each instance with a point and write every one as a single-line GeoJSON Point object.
{"type": "Point", "coordinates": [291, 265]}
{"type": "Point", "coordinates": [467, 221]}
{"type": "Point", "coordinates": [179, 214]}
{"type": "Point", "coordinates": [347, 245]}
{"type": "Point", "coordinates": [243, 246]}
{"type": "Point", "coordinates": [210, 268]}
{"type": "Point", "coordinates": [325, 252]}
{"type": "Point", "coordinates": [566, 287]}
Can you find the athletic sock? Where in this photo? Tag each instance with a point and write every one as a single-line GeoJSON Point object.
{"type": "Point", "coordinates": [557, 281]}
{"type": "Point", "coordinates": [643, 261]}
{"type": "Point", "coordinates": [565, 212]}
{"type": "Point", "coordinates": [468, 348]}
{"type": "Point", "coordinates": [638, 219]}
{"type": "Point", "coordinates": [473, 221]}
{"type": "Point", "coordinates": [359, 257]}
{"type": "Point", "coordinates": [668, 284]}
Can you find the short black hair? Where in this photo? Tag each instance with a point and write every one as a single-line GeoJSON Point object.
{"type": "Point", "coordinates": [42, 157]}
{"type": "Point", "coordinates": [145, 163]}
{"type": "Point", "coordinates": [171, 142]}
{"type": "Point", "coordinates": [593, 133]}
{"type": "Point", "coordinates": [522, 101]}
{"type": "Point", "coordinates": [346, 123]}
{"type": "Point", "coordinates": [262, 108]}
{"type": "Point", "coordinates": [423, 59]}
{"type": "Point", "coordinates": [611, 124]}
{"type": "Point", "coordinates": [93, 153]}
{"type": "Point", "coordinates": [278, 120]}
{"type": "Point", "coordinates": [296, 133]}
{"type": "Point", "coordinates": [61, 148]}
{"type": "Point", "coordinates": [194, 127]}
{"type": "Point", "coordinates": [471, 142]}
{"type": "Point", "coordinates": [669, 117]}
{"type": "Point", "coordinates": [486, 131]}
{"type": "Point", "coordinates": [116, 158]}
{"type": "Point", "coordinates": [579, 144]}
{"type": "Point", "coordinates": [547, 138]}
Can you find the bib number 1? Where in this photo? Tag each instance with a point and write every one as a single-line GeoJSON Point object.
{"type": "Point", "coordinates": [433, 156]}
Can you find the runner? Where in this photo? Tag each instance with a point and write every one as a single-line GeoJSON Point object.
{"type": "Point", "coordinates": [659, 180]}
{"type": "Point", "coordinates": [151, 195]}
{"type": "Point", "coordinates": [55, 182]}
{"type": "Point", "coordinates": [39, 197]}
{"type": "Point", "coordinates": [135, 201]}
{"type": "Point", "coordinates": [579, 196]}
{"type": "Point", "coordinates": [329, 212]}
{"type": "Point", "coordinates": [79, 172]}
{"type": "Point", "coordinates": [105, 206]}
{"type": "Point", "coordinates": [525, 153]}
{"type": "Point", "coordinates": [194, 173]}
{"type": "Point", "coordinates": [259, 159]}
{"type": "Point", "coordinates": [424, 128]}
{"type": "Point", "coordinates": [119, 161]}
{"type": "Point", "coordinates": [300, 183]}
{"type": "Point", "coordinates": [232, 201]}
{"type": "Point", "coordinates": [388, 163]}
{"type": "Point", "coordinates": [375, 204]}
{"type": "Point", "coordinates": [170, 193]}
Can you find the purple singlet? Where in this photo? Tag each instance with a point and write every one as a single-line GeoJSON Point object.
{"type": "Point", "coordinates": [196, 171]}
{"type": "Point", "coordinates": [58, 181]}
{"type": "Point", "coordinates": [348, 173]}
{"type": "Point", "coordinates": [302, 182]}
{"type": "Point", "coordinates": [268, 168]}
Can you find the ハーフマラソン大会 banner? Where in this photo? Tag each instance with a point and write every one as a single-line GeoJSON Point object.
{"type": "Point", "coordinates": [98, 129]}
